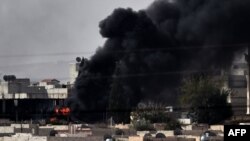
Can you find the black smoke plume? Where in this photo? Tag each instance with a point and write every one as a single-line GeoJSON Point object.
{"type": "Point", "coordinates": [148, 52]}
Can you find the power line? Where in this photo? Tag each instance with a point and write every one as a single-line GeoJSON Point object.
{"type": "Point", "coordinates": [123, 51]}
{"type": "Point", "coordinates": [89, 76]}
{"type": "Point", "coordinates": [136, 75]}
{"type": "Point", "coordinates": [45, 54]}
{"type": "Point", "coordinates": [169, 48]}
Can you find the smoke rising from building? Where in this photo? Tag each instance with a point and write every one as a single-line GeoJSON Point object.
{"type": "Point", "coordinates": [148, 52]}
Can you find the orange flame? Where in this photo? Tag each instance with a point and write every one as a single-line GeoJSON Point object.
{"type": "Point", "coordinates": [65, 111]}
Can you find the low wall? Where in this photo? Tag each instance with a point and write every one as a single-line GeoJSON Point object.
{"type": "Point", "coordinates": [6, 129]}
{"type": "Point", "coordinates": [167, 133]}
{"type": "Point", "coordinates": [135, 138]}
{"type": "Point", "coordinates": [217, 127]}
{"type": "Point", "coordinates": [75, 139]}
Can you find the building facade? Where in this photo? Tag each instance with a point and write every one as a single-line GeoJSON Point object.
{"type": "Point", "coordinates": [21, 100]}
{"type": "Point", "coordinates": [238, 83]}
{"type": "Point", "coordinates": [73, 71]}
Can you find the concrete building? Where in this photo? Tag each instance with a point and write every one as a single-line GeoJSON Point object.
{"type": "Point", "coordinates": [18, 97]}
{"type": "Point", "coordinates": [73, 71]}
{"type": "Point", "coordinates": [50, 83]}
{"type": "Point", "coordinates": [238, 83]}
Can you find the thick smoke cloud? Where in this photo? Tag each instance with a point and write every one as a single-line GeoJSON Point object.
{"type": "Point", "coordinates": [148, 52]}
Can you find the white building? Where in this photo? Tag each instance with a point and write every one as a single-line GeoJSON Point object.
{"type": "Point", "coordinates": [73, 71]}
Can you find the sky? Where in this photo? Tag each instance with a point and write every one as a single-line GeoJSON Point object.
{"type": "Point", "coordinates": [39, 38]}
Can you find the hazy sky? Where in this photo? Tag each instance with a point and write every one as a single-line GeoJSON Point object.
{"type": "Point", "coordinates": [38, 38]}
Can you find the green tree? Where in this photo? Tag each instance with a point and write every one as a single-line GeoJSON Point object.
{"type": "Point", "coordinates": [142, 125]}
{"type": "Point", "coordinates": [205, 99]}
{"type": "Point", "coordinates": [151, 112]}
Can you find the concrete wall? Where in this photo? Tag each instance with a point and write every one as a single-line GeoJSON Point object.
{"type": "Point", "coordinates": [14, 88]}
{"type": "Point", "coordinates": [216, 139]}
{"type": "Point", "coordinates": [170, 139]}
{"type": "Point", "coordinates": [23, 137]}
{"type": "Point", "coordinates": [6, 96]}
{"type": "Point", "coordinates": [56, 127]}
{"type": "Point", "coordinates": [6, 129]}
{"type": "Point", "coordinates": [168, 133]}
{"type": "Point", "coordinates": [193, 132]}
{"type": "Point", "coordinates": [46, 85]}
{"type": "Point", "coordinates": [121, 139]}
{"type": "Point", "coordinates": [45, 131]}
{"type": "Point", "coordinates": [20, 96]}
{"type": "Point", "coordinates": [34, 90]}
{"type": "Point", "coordinates": [141, 133]}
{"type": "Point", "coordinates": [75, 139]}
{"type": "Point", "coordinates": [122, 126]}
{"type": "Point", "coordinates": [4, 88]}
{"type": "Point", "coordinates": [135, 138]}
{"type": "Point", "coordinates": [19, 91]}
{"type": "Point", "coordinates": [73, 71]}
{"type": "Point", "coordinates": [187, 127]}
{"type": "Point", "coordinates": [185, 121]}
{"type": "Point", "coordinates": [217, 127]}
{"type": "Point", "coordinates": [190, 137]}
{"type": "Point", "coordinates": [24, 96]}
{"type": "Point", "coordinates": [58, 93]}
{"type": "Point", "coordinates": [36, 138]}
{"type": "Point", "coordinates": [20, 125]}
{"type": "Point", "coordinates": [35, 96]}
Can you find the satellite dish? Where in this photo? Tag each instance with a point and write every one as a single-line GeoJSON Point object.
{"type": "Point", "coordinates": [107, 137]}
{"type": "Point", "coordinates": [160, 136]}
{"type": "Point", "coordinates": [78, 59]}
{"type": "Point", "coordinates": [206, 135]}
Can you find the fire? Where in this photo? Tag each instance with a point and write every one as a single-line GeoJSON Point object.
{"type": "Point", "coordinates": [59, 114]}
{"type": "Point", "coordinates": [65, 111]}
{"type": "Point", "coordinates": [56, 110]}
